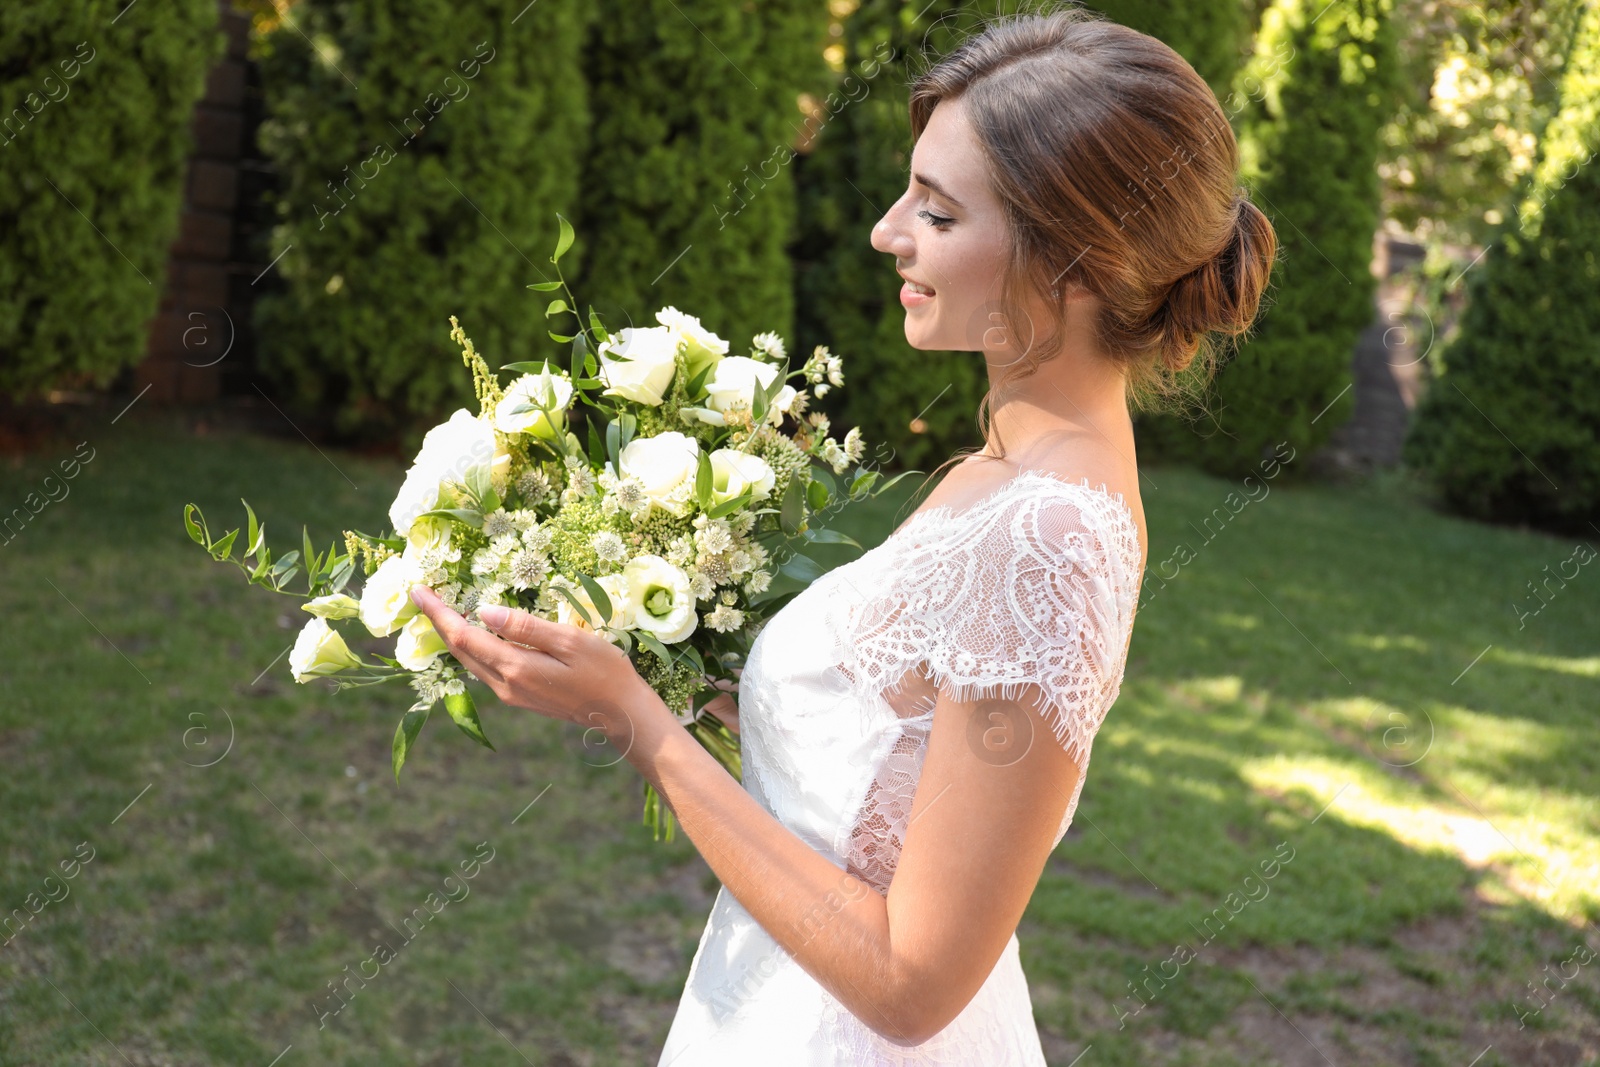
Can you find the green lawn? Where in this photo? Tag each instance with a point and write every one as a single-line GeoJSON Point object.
{"type": "Point", "coordinates": [1336, 679]}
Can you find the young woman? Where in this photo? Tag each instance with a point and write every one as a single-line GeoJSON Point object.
{"type": "Point", "coordinates": [917, 724]}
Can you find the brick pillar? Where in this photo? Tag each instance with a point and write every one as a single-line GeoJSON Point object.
{"type": "Point", "coordinates": [195, 325]}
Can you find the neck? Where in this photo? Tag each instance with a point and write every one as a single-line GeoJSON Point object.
{"type": "Point", "coordinates": [1077, 393]}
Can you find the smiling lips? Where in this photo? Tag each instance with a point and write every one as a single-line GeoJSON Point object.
{"type": "Point", "coordinates": [914, 294]}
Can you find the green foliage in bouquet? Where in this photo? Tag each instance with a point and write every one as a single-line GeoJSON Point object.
{"type": "Point", "coordinates": [94, 139]}
{"type": "Point", "coordinates": [1321, 84]}
{"type": "Point", "coordinates": [1511, 429]}
{"type": "Point", "coordinates": [415, 194]}
{"type": "Point", "coordinates": [675, 525]}
{"type": "Point", "coordinates": [688, 189]}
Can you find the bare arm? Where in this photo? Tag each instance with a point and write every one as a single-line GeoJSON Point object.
{"type": "Point", "coordinates": [980, 828]}
{"type": "Point", "coordinates": [979, 833]}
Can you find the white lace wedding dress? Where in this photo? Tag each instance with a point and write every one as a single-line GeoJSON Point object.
{"type": "Point", "coordinates": [1035, 583]}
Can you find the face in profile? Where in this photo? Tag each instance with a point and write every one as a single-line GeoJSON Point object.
{"type": "Point", "coordinates": [948, 237]}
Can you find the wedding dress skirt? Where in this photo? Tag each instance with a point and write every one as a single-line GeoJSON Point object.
{"type": "Point", "coordinates": [1036, 584]}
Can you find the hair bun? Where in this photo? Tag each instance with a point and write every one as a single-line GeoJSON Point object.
{"type": "Point", "coordinates": [1222, 294]}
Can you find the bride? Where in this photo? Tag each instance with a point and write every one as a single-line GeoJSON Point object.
{"type": "Point", "coordinates": [916, 725]}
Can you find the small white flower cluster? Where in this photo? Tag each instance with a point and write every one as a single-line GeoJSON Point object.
{"type": "Point", "coordinates": [514, 559]}
{"type": "Point", "coordinates": [626, 494]}
{"type": "Point", "coordinates": [435, 683]}
{"type": "Point", "coordinates": [719, 555]}
{"type": "Point", "coordinates": [580, 479]}
{"type": "Point", "coordinates": [768, 346]}
{"type": "Point", "coordinates": [824, 370]}
{"type": "Point", "coordinates": [840, 456]}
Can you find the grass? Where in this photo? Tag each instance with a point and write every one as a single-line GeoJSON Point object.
{"type": "Point", "coordinates": [1345, 810]}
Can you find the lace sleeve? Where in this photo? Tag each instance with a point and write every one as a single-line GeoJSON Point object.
{"type": "Point", "coordinates": [1029, 600]}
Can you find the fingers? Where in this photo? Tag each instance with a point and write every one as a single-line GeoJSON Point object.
{"type": "Point", "coordinates": [524, 628]}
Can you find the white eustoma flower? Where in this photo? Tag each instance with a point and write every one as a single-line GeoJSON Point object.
{"type": "Point", "coordinates": [733, 384]}
{"type": "Point", "coordinates": [732, 472]}
{"type": "Point", "coordinates": [553, 390]}
{"type": "Point", "coordinates": [616, 589]}
{"type": "Point", "coordinates": [386, 598]}
{"type": "Point", "coordinates": [448, 452]}
{"type": "Point", "coordinates": [333, 606]}
{"type": "Point", "coordinates": [320, 651]}
{"type": "Point", "coordinates": [665, 465]}
{"type": "Point", "coordinates": [659, 598]}
{"type": "Point", "coordinates": [419, 644]}
{"type": "Point", "coordinates": [700, 346]}
{"type": "Point", "coordinates": [638, 364]}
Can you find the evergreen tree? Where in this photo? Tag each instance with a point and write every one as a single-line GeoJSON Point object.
{"type": "Point", "coordinates": [1511, 429]}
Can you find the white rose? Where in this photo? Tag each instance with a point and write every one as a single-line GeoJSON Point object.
{"type": "Point", "coordinates": [700, 346]}
{"type": "Point", "coordinates": [732, 472]}
{"type": "Point", "coordinates": [733, 384]}
{"type": "Point", "coordinates": [638, 364]}
{"type": "Point", "coordinates": [386, 598]}
{"type": "Point", "coordinates": [666, 465]}
{"type": "Point", "coordinates": [320, 651]}
{"type": "Point", "coordinates": [333, 606]}
{"type": "Point", "coordinates": [448, 452]}
{"type": "Point", "coordinates": [430, 533]}
{"type": "Point", "coordinates": [659, 598]}
{"type": "Point", "coordinates": [419, 644]}
{"type": "Point", "coordinates": [551, 390]}
{"type": "Point", "coordinates": [616, 588]}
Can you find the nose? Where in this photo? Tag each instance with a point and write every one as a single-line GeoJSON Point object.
{"type": "Point", "coordinates": [889, 236]}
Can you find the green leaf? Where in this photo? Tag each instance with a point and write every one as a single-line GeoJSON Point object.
{"type": "Point", "coordinates": [580, 349]}
{"type": "Point", "coordinates": [256, 534]}
{"type": "Point", "coordinates": [309, 554]}
{"type": "Point", "coordinates": [343, 568]}
{"type": "Point", "coordinates": [614, 444]}
{"type": "Point", "coordinates": [465, 713]}
{"type": "Point", "coordinates": [697, 384]}
{"type": "Point", "coordinates": [801, 568]}
{"type": "Point", "coordinates": [792, 511]}
{"type": "Point", "coordinates": [466, 515]}
{"type": "Point", "coordinates": [405, 735]}
{"type": "Point", "coordinates": [281, 568]}
{"type": "Point", "coordinates": [816, 495]}
{"type": "Point", "coordinates": [546, 287]}
{"type": "Point", "coordinates": [564, 241]}
{"type": "Point", "coordinates": [728, 507]}
{"type": "Point", "coordinates": [703, 481]}
{"type": "Point", "coordinates": [600, 334]}
{"type": "Point", "coordinates": [556, 307]}
{"type": "Point", "coordinates": [863, 482]}
{"type": "Point", "coordinates": [559, 338]}
{"type": "Point", "coordinates": [653, 643]}
{"type": "Point", "coordinates": [220, 550]}
{"type": "Point", "coordinates": [529, 367]}
{"type": "Point", "coordinates": [196, 529]}
{"type": "Point", "coordinates": [830, 537]}
{"type": "Point", "coordinates": [597, 593]}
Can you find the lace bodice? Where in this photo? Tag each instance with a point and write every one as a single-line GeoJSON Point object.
{"type": "Point", "coordinates": [1027, 595]}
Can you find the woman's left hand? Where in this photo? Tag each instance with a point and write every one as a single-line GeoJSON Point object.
{"type": "Point", "coordinates": [559, 671]}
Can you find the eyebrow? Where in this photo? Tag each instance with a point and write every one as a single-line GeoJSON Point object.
{"type": "Point", "coordinates": [923, 179]}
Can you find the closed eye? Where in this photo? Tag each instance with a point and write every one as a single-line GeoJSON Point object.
{"type": "Point", "coordinates": [938, 222]}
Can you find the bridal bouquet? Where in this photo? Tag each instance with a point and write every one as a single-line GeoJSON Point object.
{"type": "Point", "coordinates": [673, 525]}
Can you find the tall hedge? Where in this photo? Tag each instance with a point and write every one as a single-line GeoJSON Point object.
{"type": "Point", "coordinates": [849, 293]}
{"type": "Point", "coordinates": [1321, 83]}
{"type": "Point", "coordinates": [95, 103]}
{"type": "Point", "coordinates": [1511, 429]}
{"type": "Point", "coordinates": [688, 194]}
{"type": "Point", "coordinates": [921, 404]}
{"type": "Point", "coordinates": [423, 150]}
